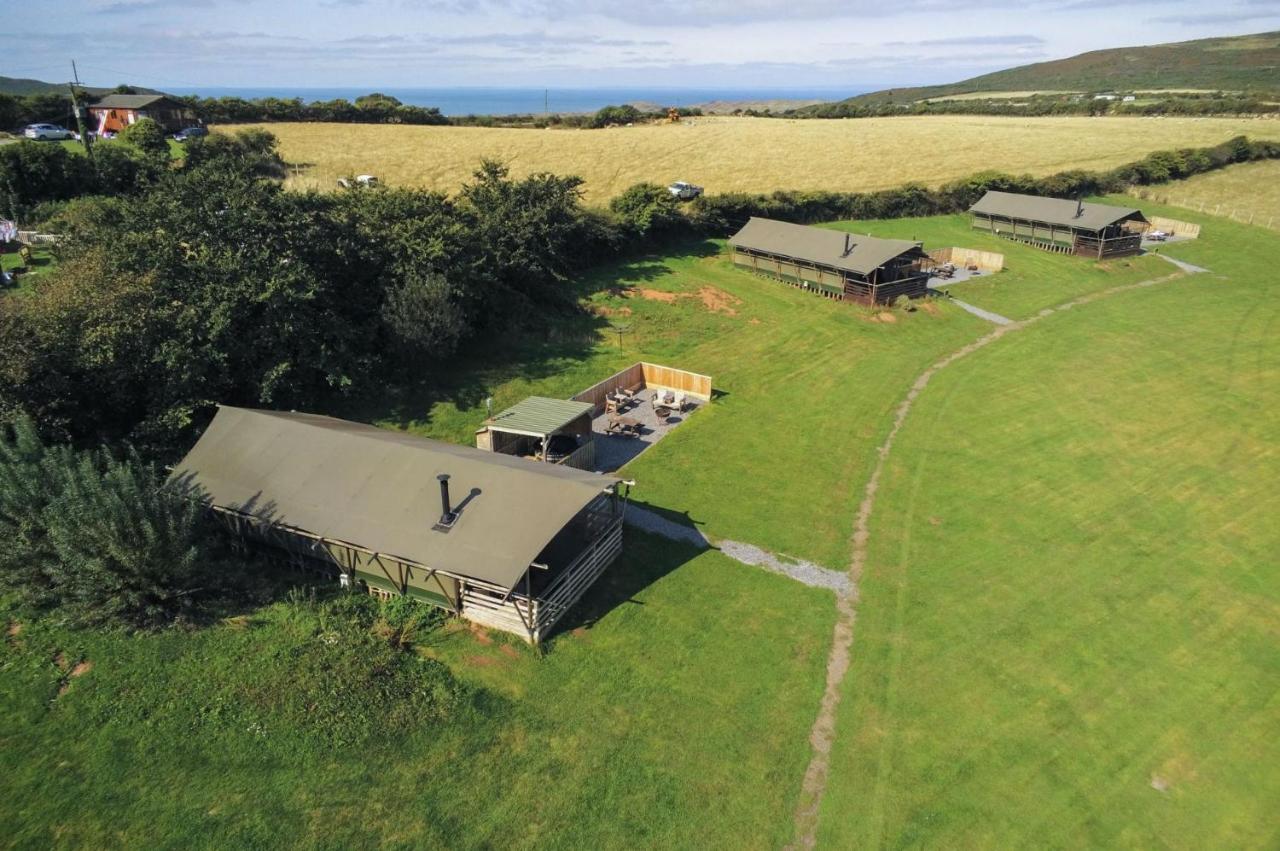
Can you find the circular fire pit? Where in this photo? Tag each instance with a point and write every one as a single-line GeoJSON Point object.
{"type": "Point", "coordinates": [661, 412]}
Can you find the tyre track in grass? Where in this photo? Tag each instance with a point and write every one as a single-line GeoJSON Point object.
{"type": "Point", "coordinates": [822, 734]}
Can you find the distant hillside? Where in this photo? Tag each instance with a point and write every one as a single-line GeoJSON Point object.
{"type": "Point", "coordinates": [1244, 63]}
{"type": "Point", "coordinates": [22, 86]}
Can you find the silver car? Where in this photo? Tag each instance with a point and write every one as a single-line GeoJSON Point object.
{"type": "Point", "coordinates": [41, 132]}
{"type": "Point", "coordinates": [684, 191]}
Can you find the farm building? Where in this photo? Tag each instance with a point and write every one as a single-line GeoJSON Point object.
{"type": "Point", "coordinates": [832, 263]}
{"type": "Point", "coordinates": [1057, 224]}
{"type": "Point", "coordinates": [490, 537]}
{"type": "Point", "coordinates": [115, 112]}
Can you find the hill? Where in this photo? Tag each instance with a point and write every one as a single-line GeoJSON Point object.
{"type": "Point", "coordinates": [23, 86]}
{"type": "Point", "coordinates": [1235, 63]}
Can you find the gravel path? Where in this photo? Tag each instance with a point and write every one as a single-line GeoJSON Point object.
{"type": "Point", "coordinates": [1189, 268]}
{"type": "Point", "coordinates": [980, 313]}
{"type": "Point", "coordinates": [805, 572]}
{"type": "Point", "coordinates": [822, 734]}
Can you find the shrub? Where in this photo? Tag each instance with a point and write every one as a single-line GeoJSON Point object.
{"type": "Point", "coordinates": [147, 136]}
{"type": "Point", "coordinates": [101, 538]}
{"type": "Point", "coordinates": [647, 209]}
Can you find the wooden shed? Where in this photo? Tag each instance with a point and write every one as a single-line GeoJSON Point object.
{"type": "Point", "coordinates": [490, 537]}
{"type": "Point", "coordinates": [832, 263]}
{"type": "Point", "coordinates": [1061, 225]}
{"type": "Point", "coordinates": [115, 112]}
{"type": "Point", "coordinates": [542, 429]}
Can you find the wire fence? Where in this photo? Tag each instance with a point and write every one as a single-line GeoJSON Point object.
{"type": "Point", "coordinates": [1214, 207]}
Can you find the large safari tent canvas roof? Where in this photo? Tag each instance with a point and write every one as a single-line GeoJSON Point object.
{"type": "Point", "coordinates": [831, 248]}
{"type": "Point", "coordinates": [1083, 215]}
{"type": "Point", "coordinates": [377, 489]}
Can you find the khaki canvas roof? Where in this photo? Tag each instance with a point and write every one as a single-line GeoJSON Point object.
{"type": "Point", "coordinates": [1053, 211]}
{"type": "Point", "coordinates": [538, 416]}
{"type": "Point", "coordinates": [820, 245]}
{"type": "Point", "coordinates": [128, 101]}
{"type": "Point", "coordinates": [377, 488]}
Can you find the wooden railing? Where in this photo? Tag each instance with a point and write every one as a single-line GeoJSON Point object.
{"type": "Point", "coordinates": [533, 618]}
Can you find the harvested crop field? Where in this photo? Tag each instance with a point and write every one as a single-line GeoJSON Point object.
{"type": "Point", "coordinates": [727, 154]}
{"type": "Point", "coordinates": [1248, 193]}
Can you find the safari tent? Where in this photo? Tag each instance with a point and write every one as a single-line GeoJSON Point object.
{"type": "Point", "coordinates": [488, 536]}
{"type": "Point", "coordinates": [832, 263]}
{"type": "Point", "coordinates": [1057, 224]}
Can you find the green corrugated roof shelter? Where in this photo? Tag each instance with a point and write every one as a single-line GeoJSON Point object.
{"type": "Point", "coordinates": [538, 416]}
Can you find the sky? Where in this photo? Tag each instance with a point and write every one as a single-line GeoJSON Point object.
{"type": "Point", "coordinates": [762, 44]}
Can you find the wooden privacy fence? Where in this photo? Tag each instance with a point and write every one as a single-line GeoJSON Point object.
{"type": "Point", "coordinates": [1176, 227]}
{"type": "Point", "coordinates": [987, 261]}
{"type": "Point", "coordinates": [650, 375]}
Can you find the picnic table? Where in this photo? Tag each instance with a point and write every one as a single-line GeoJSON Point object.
{"type": "Point", "coordinates": [624, 426]}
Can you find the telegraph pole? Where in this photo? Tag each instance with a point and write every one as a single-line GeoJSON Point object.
{"type": "Point", "coordinates": [75, 107]}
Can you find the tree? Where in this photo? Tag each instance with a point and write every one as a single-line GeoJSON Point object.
{"type": "Point", "coordinates": [423, 315]}
{"type": "Point", "coordinates": [147, 136]}
{"type": "Point", "coordinates": [530, 228]}
{"type": "Point", "coordinates": [616, 115]}
{"type": "Point", "coordinates": [647, 209]}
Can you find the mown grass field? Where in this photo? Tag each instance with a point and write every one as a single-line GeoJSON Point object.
{"type": "Point", "coordinates": [727, 154]}
{"type": "Point", "coordinates": [617, 737]}
{"type": "Point", "coordinates": [1067, 633]}
{"type": "Point", "coordinates": [1071, 596]}
{"type": "Point", "coordinates": [1248, 193]}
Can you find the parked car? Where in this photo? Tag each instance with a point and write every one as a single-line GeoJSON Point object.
{"type": "Point", "coordinates": [684, 191]}
{"type": "Point", "coordinates": [41, 132]}
{"type": "Point", "coordinates": [190, 133]}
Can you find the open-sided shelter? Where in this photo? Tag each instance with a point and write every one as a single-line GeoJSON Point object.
{"type": "Point", "coordinates": [491, 537]}
{"type": "Point", "coordinates": [832, 263]}
{"type": "Point", "coordinates": [1058, 224]}
{"type": "Point", "coordinates": [542, 429]}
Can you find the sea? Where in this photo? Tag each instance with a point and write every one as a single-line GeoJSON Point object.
{"type": "Point", "coordinates": [504, 101]}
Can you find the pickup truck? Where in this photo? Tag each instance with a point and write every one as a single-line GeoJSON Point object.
{"type": "Point", "coordinates": [684, 191]}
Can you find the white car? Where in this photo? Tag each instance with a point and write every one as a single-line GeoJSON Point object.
{"type": "Point", "coordinates": [684, 191]}
{"type": "Point", "coordinates": [46, 131]}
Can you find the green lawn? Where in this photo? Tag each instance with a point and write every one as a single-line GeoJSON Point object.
{"type": "Point", "coordinates": [176, 149]}
{"type": "Point", "coordinates": [42, 261]}
{"type": "Point", "coordinates": [801, 378]}
{"type": "Point", "coordinates": [673, 714]}
{"type": "Point", "coordinates": [1070, 596]}
{"type": "Point", "coordinates": [1031, 279]}
{"type": "Point", "coordinates": [1071, 593]}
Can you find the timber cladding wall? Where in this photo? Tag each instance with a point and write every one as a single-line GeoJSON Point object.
{"type": "Point", "coordinates": [652, 376]}
{"type": "Point", "coordinates": [1176, 227]}
{"type": "Point", "coordinates": [987, 261]}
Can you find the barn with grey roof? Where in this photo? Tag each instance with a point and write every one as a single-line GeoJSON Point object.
{"type": "Point", "coordinates": [1058, 224]}
{"type": "Point", "coordinates": [832, 263]}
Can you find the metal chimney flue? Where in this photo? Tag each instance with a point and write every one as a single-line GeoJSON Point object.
{"type": "Point", "coordinates": [848, 245]}
{"type": "Point", "coordinates": [447, 514]}
{"type": "Point", "coordinates": [1079, 207]}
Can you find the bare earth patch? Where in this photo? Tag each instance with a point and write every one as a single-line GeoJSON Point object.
{"type": "Point", "coordinates": [653, 295]}
{"type": "Point", "coordinates": [15, 629]}
{"type": "Point", "coordinates": [719, 301]}
{"type": "Point", "coordinates": [82, 668]}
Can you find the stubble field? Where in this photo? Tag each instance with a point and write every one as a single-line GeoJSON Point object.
{"type": "Point", "coordinates": [727, 154]}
